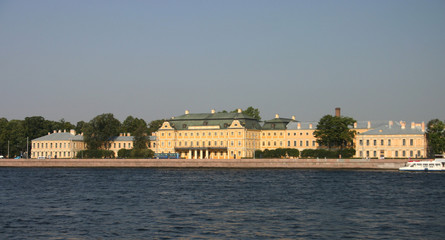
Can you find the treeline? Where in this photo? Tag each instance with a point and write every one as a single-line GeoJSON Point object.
{"type": "Point", "coordinates": [307, 153]}
{"type": "Point", "coordinates": [97, 132]}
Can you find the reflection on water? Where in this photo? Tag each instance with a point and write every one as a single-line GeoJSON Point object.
{"type": "Point", "coordinates": [219, 203]}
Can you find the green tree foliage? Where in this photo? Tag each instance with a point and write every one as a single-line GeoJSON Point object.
{"type": "Point", "coordinates": [99, 131]}
{"type": "Point", "coordinates": [135, 153]}
{"type": "Point", "coordinates": [324, 153]}
{"type": "Point", "coordinates": [17, 132]}
{"type": "Point", "coordinates": [138, 129]}
{"type": "Point", "coordinates": [277, 153]}
{"type": "Point", "coordinates": [79, 126]}
{"type": "Point", "coordinates": [154, 126]}
{"type": "Point", "coordinates": [250, 111]}
{"type": "Point", "coordinates": [435, 136]}
{"type": "Point", "coordinates": [95, 153]}
{"type": "Point", "coordinates": [334, 132]}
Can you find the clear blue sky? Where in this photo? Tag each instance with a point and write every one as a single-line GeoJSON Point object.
{"type": "Point", "coordinates": [377, 60]}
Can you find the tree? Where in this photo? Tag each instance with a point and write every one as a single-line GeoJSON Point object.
{"type": "Point", "coordinates": [334, 132]}
{"type": "Point", "coordinates": [435, 135]}
{"type": "Point", "coordinates": [155, 125]}
{"type": "Point", "coordinates": [253, 112]}
{"type": "Point", "coordinates": [99, 131]}
{"type": "Point", "coordinates": [250, 111]}
{"type": "Point", "coordinates": [138, 129]}
{"type": "Point", "coordinates": [79, 126]}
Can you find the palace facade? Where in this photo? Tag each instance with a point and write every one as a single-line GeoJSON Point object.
{"type": "Point", "coordinates": [236, 135]}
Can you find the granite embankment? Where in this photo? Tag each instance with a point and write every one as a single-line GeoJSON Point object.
{"type": "Point", "coordinates": [383, 164]}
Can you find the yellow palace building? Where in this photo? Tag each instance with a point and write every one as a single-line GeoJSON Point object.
{"type": "Point", "coordinates": [236, 135]}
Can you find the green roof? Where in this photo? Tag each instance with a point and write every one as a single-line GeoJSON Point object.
{"type": "Point", "coordinates": [277, 124]}
{"type": "Point", "coordinates": [223, 120]}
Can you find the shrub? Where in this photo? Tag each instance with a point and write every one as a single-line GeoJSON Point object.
{"type": "Point", "coordinates": [277, 153]}
{"type": "Point", "coordinates": [99, 153]}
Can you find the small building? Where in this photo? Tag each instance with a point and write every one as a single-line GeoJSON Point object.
{"type": "Point", "coordinates": [392, 140]}
{"type": "Point", "coordinates": [57, 145]}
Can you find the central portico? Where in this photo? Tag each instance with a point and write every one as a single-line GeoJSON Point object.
{"type": "Point", "coordinates": [210, 135]}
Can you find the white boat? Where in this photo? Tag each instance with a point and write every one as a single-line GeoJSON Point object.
{"type": "Point", "coordinates": [436, 165]}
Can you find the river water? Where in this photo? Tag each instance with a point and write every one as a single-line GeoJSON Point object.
{"type": "Point", "coordinates": [144, 203]}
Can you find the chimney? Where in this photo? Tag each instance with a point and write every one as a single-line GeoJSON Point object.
{"type": "Point", "coordinates": [355, 125]}
{"type": "Point", "coordinates": [49, 133]}
{"type": "Point", "coordinates": [277, 116]}
{"type": "Point", "coordinates": [128, 134]}
{"type": "Point", "coordinates": [54, 131]}
{"type": "Point", "coordinates": [390, 124]}
{"type": "Point", "coordinates": [293, 118]}
{"type": "Point", "coordinates": [239, 110]}
{"type": "Point", "coordinates": [64, 130]}
{"type": "Point", "coordinates": [423, 126]}
{"type": "Point", "coordinates": [402, 124]}
{"type": "Point", "coordinates": [73, 132]}
{"type": "Point", "coordinates": [299, 125]}
{"type": "Point", "coordinates": [213, 111]}
{"type": "Point", "coordinates": [60, 131]}
{"type": "Point", "coordinates": [369, 124]}
{"type": "Point", "coordinates": [187, 112]}
{"type": "Point", "coordinates": [413, 125]}
{"type": "Point", "coordinates": [337, 112]}
{"type": "Point", "coordinates": [310, 125]}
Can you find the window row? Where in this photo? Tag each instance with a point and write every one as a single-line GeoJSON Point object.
{"type": "Point", "coordinates": [398, 153]}
{"type": "Point", "coordinates": [382, 142]}
{"type": "Point", "coordinates": [50, 145]}
{"type": "Point", "coordinates": [291, 143]}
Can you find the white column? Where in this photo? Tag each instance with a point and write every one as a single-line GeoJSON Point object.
{"type": "Point", "coordinates": [207, 154]}
{"type": "Point", "coordinates": [189, 154]}
{"type": "Point", "coordinates": [200, 154]}
{"type": "Point", "coordinates": [196, 154]}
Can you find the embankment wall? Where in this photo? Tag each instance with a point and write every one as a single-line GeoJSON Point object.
{"type": "Point", "coordinates": [382, 164]}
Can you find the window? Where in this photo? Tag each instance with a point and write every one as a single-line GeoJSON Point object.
{"type": "Point", "coordinates": [313, 143]}
{"type": "Point", "coordinates": [301, 143]}
{"type": "Point", "coordinates": [403, 153]}
{"type": "Point", "coordinates": [307, 143]}
{"type": "Point", "coordinates": [375, 142]}
{"type": "Point", "coordinates": [375, 153]}
{"type": "Point", "coordinates": [381, 142]}
{"type": "Point", "coordinates": [404, 142]}
{"type": "Point", "coordinates": [397, 153]}
{"type": "Point", "coordinates": [168, 144]}
{"type": "Point", "coordinates": [184, 125]}
{"type": "Point", "coordinates": [389, 142]}
{"type": "Point", "coordinates": [367, 142]}
{"type": "Point", "coordinates": [361, 142]}
{"type": "Point", "coordinates": [295, 143]}
{"type": "Point", "coordinates": [411, 142]}
{"type": "Point", "coordinates": [288, 143]}
{"type": "Point", "coordinates": [411, 153]}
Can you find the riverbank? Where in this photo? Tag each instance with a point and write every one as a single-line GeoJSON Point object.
{"type": "Point", "coordinates": [378, 164]}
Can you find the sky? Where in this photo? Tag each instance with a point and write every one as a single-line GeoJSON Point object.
{"type": "Point", "coordinates": [376, 60]}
